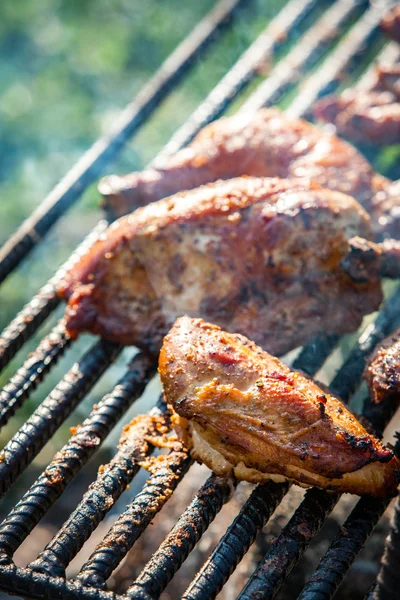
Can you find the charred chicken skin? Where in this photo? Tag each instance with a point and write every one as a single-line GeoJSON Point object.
{"type": "Point", "coordinates": [243, 413]}
{"type": "Point", "coordinates": [382, 373]}
{"type": "Point", "coordinates": [258, 256]}
{"type": "Point", "coordinates": [264, 144]}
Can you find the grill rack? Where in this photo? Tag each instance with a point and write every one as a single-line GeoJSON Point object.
{"type": "Point", "coordinates": [44, 577]}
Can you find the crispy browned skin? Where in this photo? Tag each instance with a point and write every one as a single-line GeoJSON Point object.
{"type": "Point", "coordinates": [258, 256]}
{"type": "Point", "coordinates": [385, 211]}
{"type": "Point", "coordinates": [365, 258]}
{"type": "Point", "coordinates": [391, 23]}
{"type": "Point", "coordinates": [366, 116]}
{"type": "Point", "coordinates": [245, 413]}
{"type": "Point", "coordinates": [383, 370]}
{"type": "Point", "coordinates": [264, 144]}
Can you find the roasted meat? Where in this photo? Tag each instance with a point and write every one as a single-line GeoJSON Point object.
{"type": "Point", "coordinates": [265, 144]}
{"type": "Point", "coordinates": [366, 116]}
{"type": "Point", "coordinates": [243, 413]}
{"type": "Point", "coordinates": [383, 370]}
{"type": "Point", "coordinates": [366, 259]}
{"type": "Point", "coordinates": [258, 256]}
{"type": "Point", "coordinates": [391, 23]}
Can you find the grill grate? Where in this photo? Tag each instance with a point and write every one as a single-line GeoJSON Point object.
{"type": "Point", "coordinates": [45, 576]}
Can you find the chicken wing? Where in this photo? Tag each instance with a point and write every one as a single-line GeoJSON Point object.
{"type": "Point", "coordinates": [382, 373]}
{"type": "Point", "coordinates": [258, 256]}
{"type": "Point", "coordinates": [244, 413]}
{"type": "Point", "coordinates": [264, 144]}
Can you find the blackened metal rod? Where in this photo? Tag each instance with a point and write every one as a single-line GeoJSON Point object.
{"type": "Point", "coordinates": [34, 313]}
{"type": "Point", "coordinates": [67, 192]}
{"type": "Point", "coordinates": [388, 581]}
{"type": "Point", "coordinates": [304, 55]}
{"type": "Point", "coordinates": [240, 75]}
{"type": "Point", "coordinates": [347, 379]}
{"type": "Point", "coordinates": [290, 545]}
{"type": "Point", "coordinates": [34, 369]}
{"type": "Point", "coordinates": [38, 429]}
{"type": "Point", "coordinates": [327, 77]}
{"type": "Point", "coordinates": [237, 540]}
{"type": "Point", "coordinates": [133, 521]}
{"type": "Point", "coordinates": [102, 495]}
{"type": "Point", "coordinates": [183, 537]}
{"type": "Point", "coordinates": [74, 455]}
{"type": "Point", "coordinates": [344, 549]}
{"type": "Point", "coordinates": [28, 584]}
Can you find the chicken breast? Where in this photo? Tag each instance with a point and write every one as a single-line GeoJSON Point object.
{"type": "Point", "coordinates": [243, 413]}
{"type": "Point", "coordinates": [267, 143]}
{"type": "Point", "coordinates": [382, 373]}
{"type": "Point", "coordinates": [258, 256]}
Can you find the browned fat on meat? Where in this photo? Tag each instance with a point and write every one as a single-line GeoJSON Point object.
{"type": "Point", "coordinates": [244, 413]}
{"type": "Point", "coordinates": [267, 143]}
{"type": "Point", "coordinates": [257, 256]}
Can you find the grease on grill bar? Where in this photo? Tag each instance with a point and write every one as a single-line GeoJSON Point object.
{"type": "Point", "coordinates": [40, 579]}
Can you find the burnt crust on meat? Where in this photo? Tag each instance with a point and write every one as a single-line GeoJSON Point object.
{"type": "Point", "coordinates": [258, 256]}
{"type": "Point", "coordinates": [244, 413]}
{"type": "Point", "coordinates": [382, 372]}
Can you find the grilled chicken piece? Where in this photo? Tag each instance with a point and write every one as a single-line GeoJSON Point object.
{"type": "Point", "coordinates": [366, 116]}
{"type": "Point", "coordinates": [244, 413]}
{"type": "Point", "coordinates": [265, 144]}
{"type": "Point", "coordinates": [391, 23]}
{"type": "Point", "coordinates": [258, 256]}
{"type": "Point", "coordinates": [382, 373]}
{"type": "Point", "coordinates": [366, 258]}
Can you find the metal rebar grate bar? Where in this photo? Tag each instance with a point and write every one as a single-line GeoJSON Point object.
{"type": "Point", "coordinates": [27, 378]}
{"type": "Point", "coordinates": [344, 549]}
{"type": "Point", "coordinates": [345, 382]}
{"type": "Point", "coordinates": [388, 580]}
{"type": "Point", "coordinates": [106, 148]}
{"type": "Point", "coordinates": [304, 55]}
{"type": "Point", "coordinates": [38, 429]}
{"type": "Point", "coordinates": [290, 545]}
{"type": "Point", "coordinates": [34, 313]}
{"type": "Point", "coordinates": [75, 454]}
{"type": "Point", "coordinates": [327, 77]}
{"type": "Point", "coordinates": [237, 540]}
{"type": "Point", "coordinates": [177, 546]}
{"type": "Point", "coordinates": [240, 75]}
{"type": "Point", "coordinates": [133, 521]}
{"type": "Point", "coordinates": [102, 494]}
